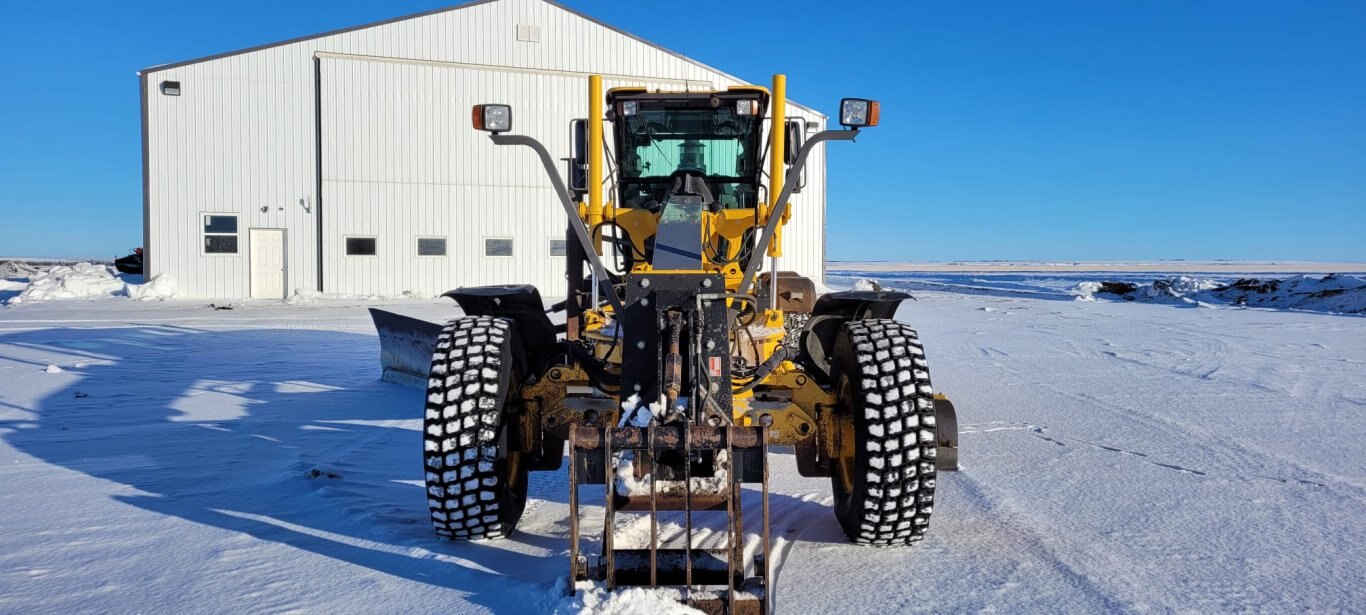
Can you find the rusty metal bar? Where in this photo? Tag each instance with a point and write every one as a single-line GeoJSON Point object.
{"type": "Point", "coordinates": [668, 501]}
{"type": "Point", "coordinates": [573, 517]}
{"type": "Point", "coordinates": [708, 567]}
{"type": "Point", "coordinates": [610, 490]}
{"type": "Point", "coordinates": [654, 513]}
{"type": "Point", "coordinates": [701, 437]}
{"type": "Point", "coordinates": [764, 566]}
{"type": "Point", "coordinates": [732, 519]}
{"type": "Point", "coordinates": [687, 511]}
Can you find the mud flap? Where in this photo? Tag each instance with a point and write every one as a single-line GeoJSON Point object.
{"type": "Point", "coordinates": [946, 428]}
{"type": "Point", "coordinates": [406, 345]}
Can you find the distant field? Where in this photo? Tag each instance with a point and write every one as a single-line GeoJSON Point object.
{"type": "Point", "coordinates": [1225, 267]}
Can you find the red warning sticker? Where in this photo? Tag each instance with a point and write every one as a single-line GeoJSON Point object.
{"type": "Point", "coordinates": [714, 366]}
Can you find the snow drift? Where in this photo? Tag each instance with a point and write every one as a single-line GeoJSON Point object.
{"type": "Point", "coordinates": [88, 281]}
{"type": "Point", "coordinates": [1336, 293]}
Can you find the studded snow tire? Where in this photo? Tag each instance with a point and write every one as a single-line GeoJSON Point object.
{"type": "Point", "coordinates": [885, 493]}
{"type": "Point", "coordinates": [476, 486]}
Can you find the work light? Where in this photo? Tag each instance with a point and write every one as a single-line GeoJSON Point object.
{"type": "Point", "coordinates": [493, 118]}
{"type": "Point", "coordinates": [858, 113]}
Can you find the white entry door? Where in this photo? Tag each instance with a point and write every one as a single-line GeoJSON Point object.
{"type": "Point", "coordinates": [267, 263]}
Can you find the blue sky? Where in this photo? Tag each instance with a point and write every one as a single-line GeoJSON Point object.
{"type": "Point", "coordinates": [1011, 130]}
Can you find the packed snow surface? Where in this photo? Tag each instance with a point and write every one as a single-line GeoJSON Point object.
{"type": "Point", "coordinates": [1117, 456]}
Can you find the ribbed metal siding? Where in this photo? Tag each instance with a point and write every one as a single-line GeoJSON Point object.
{"type": "Point", "coordinates": [241, 137]}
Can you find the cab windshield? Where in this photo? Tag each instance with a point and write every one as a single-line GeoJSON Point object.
{"type": "Point", "coordinates": [716, 144]}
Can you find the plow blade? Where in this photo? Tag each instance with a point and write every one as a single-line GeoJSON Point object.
{"type": "Point", "coordinates": [690, 469]}
{"type": "Point", "coordinates": [406, 345]}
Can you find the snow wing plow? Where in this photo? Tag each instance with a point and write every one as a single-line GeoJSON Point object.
{"type": "Point", "coordinates": [676, 369]}
{"type": "Point", "coordinates": [406, 345]}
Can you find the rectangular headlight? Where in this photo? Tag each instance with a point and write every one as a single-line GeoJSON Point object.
{"type": "Point", "coordinates": [493, 118]}
{"type": "Point", "coordinates": [746, 107]}
{"type": "Point", "coordinates": [858, 112]}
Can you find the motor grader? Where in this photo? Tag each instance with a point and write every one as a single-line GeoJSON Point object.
{"type": "Point", "coordinates": [680, 365]}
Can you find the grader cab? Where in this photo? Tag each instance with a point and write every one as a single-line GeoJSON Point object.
{"type": "Point", "coordinates": [681, 363]}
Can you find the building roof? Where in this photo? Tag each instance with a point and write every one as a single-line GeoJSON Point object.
{"type": "Point", "coordinates": [161, 67]}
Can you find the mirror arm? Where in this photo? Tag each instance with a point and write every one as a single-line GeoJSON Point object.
{"type": "Point", "coordinates": [557, 184]}
{"type": "Point", "coordinates": [775, 217]}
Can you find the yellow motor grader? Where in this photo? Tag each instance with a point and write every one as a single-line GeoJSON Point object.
{"type": "Point", "coordinates": [677, 368]}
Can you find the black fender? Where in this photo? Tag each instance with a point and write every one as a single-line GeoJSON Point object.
{"type": "Point", "coordinates": [520, 303]}
{"type": "Point", "coordinates": [832, 310]}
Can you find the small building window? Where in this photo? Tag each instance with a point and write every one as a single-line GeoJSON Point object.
{"type": "Point", "coordinates": [360, 246]}
{"type": "Point", "coordinates": [497, 246]}
{"type": "Point", "coordinates": [431, 246]}
{"type": "Point", "coordinates": [220, 234]}
{"type": "Point", "coordinates": [170, 88]}
{"type": "Point", "coordinates": [557, 247]}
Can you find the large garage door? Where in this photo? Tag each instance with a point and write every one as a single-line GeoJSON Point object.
{"type": "Point", "coordinates": [413, 199]}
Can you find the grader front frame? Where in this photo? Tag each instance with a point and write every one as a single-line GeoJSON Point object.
{"type": "Point", "coordinates": [674, 372]}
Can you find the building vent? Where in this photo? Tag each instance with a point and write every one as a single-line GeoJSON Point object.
{"type": "Point", "coordinates": [528, 33]}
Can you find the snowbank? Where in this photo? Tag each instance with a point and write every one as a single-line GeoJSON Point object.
{"type": "Point", "coordinates": [88, 281]}
{"type": "Point", "coordinates": [1335, 293]}
{"type": "Point", "coordinates": [593, 599]}
{"type": "Point", "coordinates": [307, 296]}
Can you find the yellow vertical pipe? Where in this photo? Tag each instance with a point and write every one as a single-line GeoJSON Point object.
{"type": "Point", "coordinates": [776, 166]}
{"type": "Point", "coordinates": [595, 157]}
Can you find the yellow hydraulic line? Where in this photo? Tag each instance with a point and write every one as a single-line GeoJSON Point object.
{"type": "Point", "coordinates": [776, 166]}
{"type": "Point", "coordinates": [595, 158]}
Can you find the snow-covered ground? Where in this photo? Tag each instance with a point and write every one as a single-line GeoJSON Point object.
{"type": "Point", "coordinates": [1117, 456]}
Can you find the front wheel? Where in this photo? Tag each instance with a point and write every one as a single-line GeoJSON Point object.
{"type": "Point", "coordinates": [883, 475]}
{"type": "Point", "coordinates": [476, 477]}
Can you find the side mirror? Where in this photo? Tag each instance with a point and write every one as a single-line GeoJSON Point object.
{"type": "Point", "coordinates": [858, 112]}
{"type": "Point", "coordinates": [578, 157]}
{"type": "Point", "coordinates": [792, 143]}
{"type": "Point", "coordinates": [493, 118]}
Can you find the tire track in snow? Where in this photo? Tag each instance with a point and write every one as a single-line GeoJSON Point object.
{"type": "Point", "coordinates": [1037, 544]}
{"type": "Point", "coordinates": [1232, 455]}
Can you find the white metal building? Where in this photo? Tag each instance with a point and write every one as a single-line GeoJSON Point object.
{"type": "Point", "coordinates": [345, 162]}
